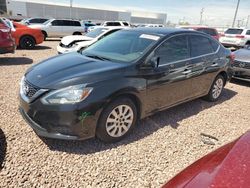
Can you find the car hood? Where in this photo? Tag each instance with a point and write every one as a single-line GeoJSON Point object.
{"type": "Point", "coordinates": [72, 69]}
{"type": "Point", "coordinates": [75, 38]}
{"type": "Point", "coordinates": [242, 55]}
{"type": "Point", "coordinates": [228, 166]}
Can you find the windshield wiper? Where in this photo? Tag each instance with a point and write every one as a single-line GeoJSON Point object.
{"type": "Point", "coordinates": [97, 57]}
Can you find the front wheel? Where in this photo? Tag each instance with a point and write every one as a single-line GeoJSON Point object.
{"type": "Point", "coordinates": [216, 89]}
{"type": "Point", "coordinates": [27, 42]}
{"type": "Point", "coordinates": [117, 120]}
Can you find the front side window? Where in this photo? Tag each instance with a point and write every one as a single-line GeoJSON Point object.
{"type": "Point", "coordinates": [248, 32]}
{"type": "Point", "coordinates": [174, 49]}
{"type": "Point", "coordinates": [122, 46]}
{"type": "Point", "coordinates": [57, 23]}
{"type": "Point", "coordinates": [200, 45]}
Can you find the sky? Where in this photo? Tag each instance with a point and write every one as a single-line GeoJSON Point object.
{"type": "Point", "coordinates": [216, 12]}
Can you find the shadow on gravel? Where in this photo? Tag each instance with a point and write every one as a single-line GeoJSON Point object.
{"type": "Point", "coordinates": [3, 148]}
{"type": "Point", "coordinates": [37, 48]}
{"type": "Point", "coordinates": [54, 39]}
{"type": "Point", "coordinates": [7, 61]}
{"type": "Point", "coordinates": [148, 126]}
{"type": "Point", "coordinates": [241, 82]}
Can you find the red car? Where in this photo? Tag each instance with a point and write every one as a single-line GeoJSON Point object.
{"type": "Point", "coordinates": [227, 167]}
{"type": "Point", "coordinates": [7, 44]}
{"type": "Point", "coordinates": [26, 37]}
{"type": "Point", "coordinates": [208, 30]}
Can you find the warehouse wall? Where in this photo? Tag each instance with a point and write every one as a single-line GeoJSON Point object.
{"type": "Point", "coordinates": [32, 9]}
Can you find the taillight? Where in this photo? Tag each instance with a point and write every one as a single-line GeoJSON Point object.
{"type": "Point", "coordinates": [240, 36]}
{"type": "Point", "coordinates": [232, 57]}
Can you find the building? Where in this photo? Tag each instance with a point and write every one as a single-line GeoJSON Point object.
{"type": "Point", "coordinates": [38, 8]}
{"type": "Point", "coordinates": [3, 7]}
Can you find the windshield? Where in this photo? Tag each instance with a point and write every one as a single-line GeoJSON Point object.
{"type": "Point", "coordinates": [122, 46]}
{"type": "Point", "coordinates": [234, 31]}
{"type": "Point", "coordinates": [96, 32]}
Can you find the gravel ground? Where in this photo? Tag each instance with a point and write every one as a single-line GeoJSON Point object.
{"type": "Point", "coordinates": [159, 147]}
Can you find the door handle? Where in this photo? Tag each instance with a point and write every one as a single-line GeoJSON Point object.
{"type": "Point", "coordinates": [187, 71]}
{"type": "Point", "coordinates": [215, 65]}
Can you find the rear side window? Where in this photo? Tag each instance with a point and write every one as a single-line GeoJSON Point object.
{"type": "Point", "coordinates": [234, 31]}
{"type": "Point", "coordinates": [174, 49]}
{"type": "Point", "coordinates": [76, 23]}
{"type": "Point", "coordinates": [200, 46]}
{"type": "Point", "coordinates": [208, 31]}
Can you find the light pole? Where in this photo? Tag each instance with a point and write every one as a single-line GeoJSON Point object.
{"type": "Point", "coordinates": [202, 11]}
{"type": "Point", "coordinates": [236, 12]}
{"type": "Point", "coordinates": [248, 18]}
{"type": "Point", "coordinates": [70, 6]}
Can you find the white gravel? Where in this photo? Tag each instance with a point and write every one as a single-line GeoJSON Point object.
{"type": "Point", "coordinates": [159, 147]}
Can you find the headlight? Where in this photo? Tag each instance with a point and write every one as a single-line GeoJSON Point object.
{"type": "Point", "coordinates": [69, 95]}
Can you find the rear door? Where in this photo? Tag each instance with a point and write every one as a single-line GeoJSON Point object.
{"type": "Point", "coordinates": [204, 63]}
{"type": "Point", "coordinates": [172, 85]}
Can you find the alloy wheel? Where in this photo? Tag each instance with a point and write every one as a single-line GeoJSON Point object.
{"type": "Point", "coordinates": [119, 121]}
{"type": "Point", "coordinates": [217, 89]}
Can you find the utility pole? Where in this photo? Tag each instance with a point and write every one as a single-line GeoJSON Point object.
{"type": "Point", "coordinates": [248, 18]}
{"type": "Point", "coordinates": [236, 12]}
{"type": "Point", "coordinates": [70, 6]}
{"type": "Point", "coordinates": [202, 11]}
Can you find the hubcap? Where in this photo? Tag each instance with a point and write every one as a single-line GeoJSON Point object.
{"type": "Point", "coordinates": [119, 121]}
{"type": "Point", "coordinates": [217, 89]}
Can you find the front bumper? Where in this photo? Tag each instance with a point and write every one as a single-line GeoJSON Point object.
{"type": "Point", "coordinates": [60, 122]}
{"type": "Point", "coordinates": [10, 49]}
{"type": "Point", "coordinates": [241, 73]}
{"type": "Point", "coordinates": [62, 50]}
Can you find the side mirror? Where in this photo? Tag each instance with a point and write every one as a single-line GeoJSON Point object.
{"type": "Point", "coordinates": [154, 62]}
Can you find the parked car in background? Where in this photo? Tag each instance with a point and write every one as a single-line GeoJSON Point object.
{"type": "Point", "coordinates": [7, 43]}
{"type": "Point", "coordinates": [228, 166]}
{"type": "Point", "coordinates": [76, 43]}
{"type": "Point", "coordinates": [129, 75]}
{"type": "Point", "coordinates": [235, 37]}
{"type": "Point", "coordinates": [31, 21]}
{"type": "Point", "coordinates": [59, 28]}
{"type": "Point", "coordinates": [86, 26]}
{"type": "Point", "coordinates": [25, 37]}
{"type": "Point", "coordinates": [241, 66]}
{"type": "Point", "coordinates": [208, 30]}
{"type": "Point", "coordinates": [111, 24]}
{"type": "Point", "coordinates": [150, 25]}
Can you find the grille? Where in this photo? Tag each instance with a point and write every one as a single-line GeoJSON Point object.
{"type": "Point", "coordinates": [241, 64]}
{"type": "Point", "coordinates": [29, 90]}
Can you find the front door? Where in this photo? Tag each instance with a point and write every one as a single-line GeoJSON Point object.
{"type": "Point", "coordinates": [172, 86]}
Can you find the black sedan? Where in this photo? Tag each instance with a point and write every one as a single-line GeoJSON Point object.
{"type": "Point", "coordinates": [104, 90]}
{"type": "Point", "coordinates": [241, 65]}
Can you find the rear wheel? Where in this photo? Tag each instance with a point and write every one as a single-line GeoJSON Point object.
{"type": "Point", "coordinates": [77, 33]}
{"type": "Point", "coordinates": [117, 120]}
{"type": "Point", "coordinates": [27, 42]}
{"type": "Point", "coordinates": [216, 89]}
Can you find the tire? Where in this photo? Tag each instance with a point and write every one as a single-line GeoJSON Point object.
{"type": "Point", "coordinates": [27, 42]}
{"type": "Point", "coordinates": [117, 120]}
{"type": "Point", "coordinates": [44, 35]}
{"type": "Point", "coordinates": [216, 89]}
{"type": "Point", "coordinates": [77, 33]}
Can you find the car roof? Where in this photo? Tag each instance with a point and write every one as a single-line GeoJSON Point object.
{"type": "Point", "coordinates": [162, 30]}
